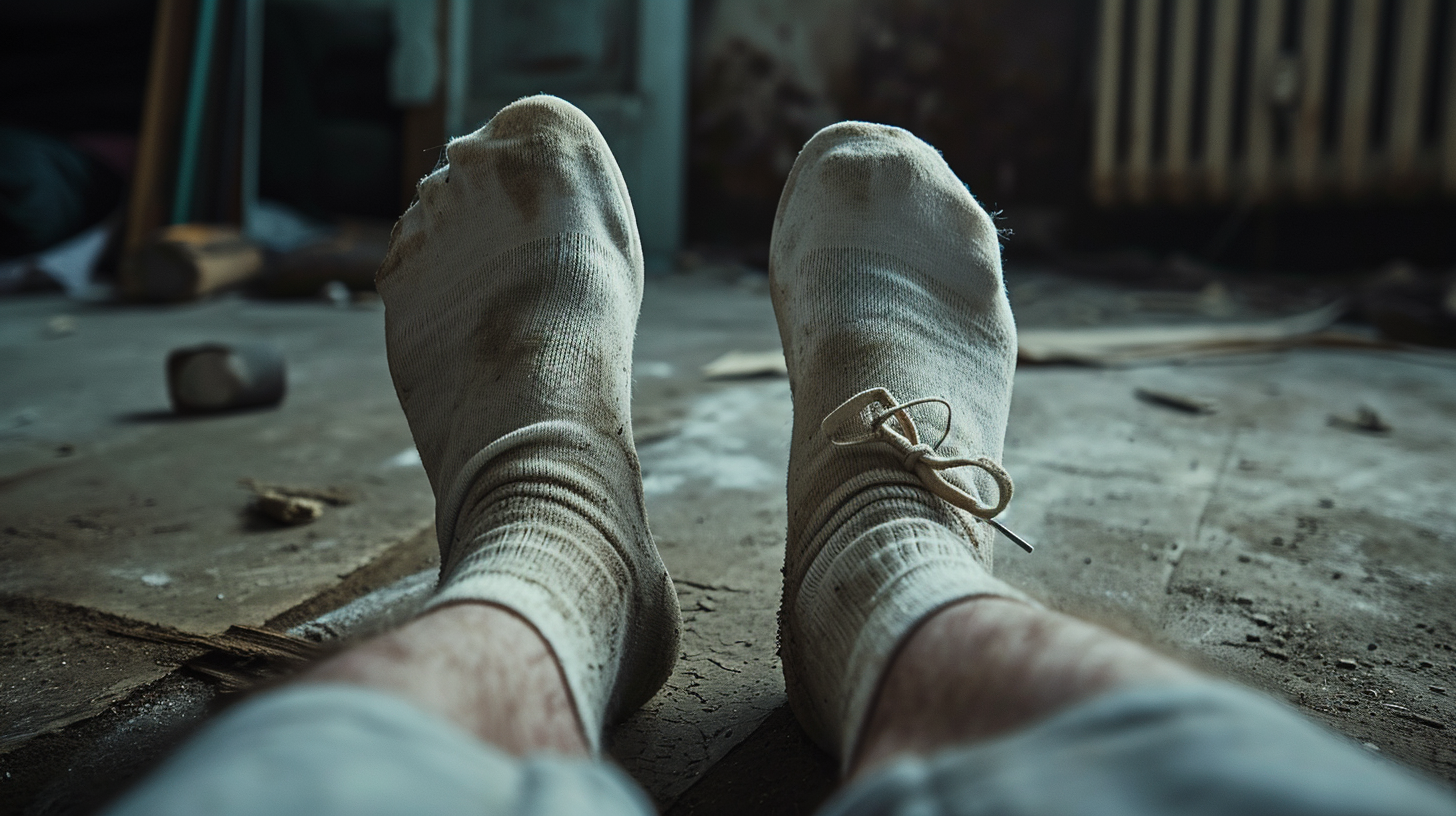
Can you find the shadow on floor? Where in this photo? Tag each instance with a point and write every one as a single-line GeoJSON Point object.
{"type": "Point", "coordinates": [777, 771]}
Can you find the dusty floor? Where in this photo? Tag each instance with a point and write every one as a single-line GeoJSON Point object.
{"type": "Point", "coordinates": [1261, 541]}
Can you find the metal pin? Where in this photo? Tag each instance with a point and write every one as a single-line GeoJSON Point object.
{"type": "Point", "coordinates": [1020, 542]}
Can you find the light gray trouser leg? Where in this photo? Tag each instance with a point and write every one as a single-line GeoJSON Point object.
{"type": "Point", "coordinates": [335, 750]}
{"type": "Point", "coordinates": [1214, 749]}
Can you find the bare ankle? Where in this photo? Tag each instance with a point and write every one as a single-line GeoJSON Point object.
{"type": "Point", "coordinates": [986, 666]}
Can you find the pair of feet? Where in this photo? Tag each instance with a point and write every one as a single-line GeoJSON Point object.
{"type": "Point", "coordinates": [512, 289]}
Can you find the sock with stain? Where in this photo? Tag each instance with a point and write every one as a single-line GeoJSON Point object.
{"type": "Point", "coordinates": [511, 293]}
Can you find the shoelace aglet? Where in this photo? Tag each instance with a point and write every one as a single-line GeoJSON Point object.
{"type": "Point", "coordinates": [1006, 531]}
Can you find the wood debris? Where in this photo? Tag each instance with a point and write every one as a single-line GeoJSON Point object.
{"type": "Point", "coordinates": [741, 364]}
{"type": "Point", "coordinates": [1365, 420]}
{"type": "Point", "coordinates": [293, 505]}
{"type": "Point", "coordinates": [1128, 345]}
{"type": "Point", "coordinates": [1178, 402]}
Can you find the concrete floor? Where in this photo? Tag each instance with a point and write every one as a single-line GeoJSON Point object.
{"type": "Point", "coordinates": [1260, 541]}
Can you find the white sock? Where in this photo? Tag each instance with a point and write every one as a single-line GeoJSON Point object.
{"type": "Point", "coordinates": [511, 291]}
{"type": "Point", "coordinates": [885, 274]}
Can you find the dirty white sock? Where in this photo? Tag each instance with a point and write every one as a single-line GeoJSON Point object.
{"type": "Point", "coordinates": [885, 274]}
{"type": "Point", "coordinates": [511, 294]}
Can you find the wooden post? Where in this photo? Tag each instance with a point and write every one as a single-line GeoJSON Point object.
{"type": "Point", "coordinates": [152, 183]}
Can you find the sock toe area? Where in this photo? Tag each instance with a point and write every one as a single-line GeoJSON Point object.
{"type": "Point", "coordinates": [539, 168]}
{"type": "Point", "coordinates": [891, 192]}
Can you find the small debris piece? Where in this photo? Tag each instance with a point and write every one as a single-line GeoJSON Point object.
{"type": "Point", "coordinates": [286, 509]}
{"type": "Point", "coordinates": [1262, 620]}
{"type": "Point", "coordinates": [58, 327]}
{"type": "Point", "coordinates": [1438, 689]}
{"type": "Point", "coordinates": [1346, 663]}
{"type": "Point", "coordinates": [1252, 638]}
{"type": "Point", "coordinates": [1426, 721]}
{"type": "Point", "coordinates": [1366, 420]}
{"type": "Point", "coordinates": [742, 364]}
{"type": "Point", "coordinates": [218, 377]}
{"type": "Point", "coordinates": [332, 496]}
{"type": "Point", "coordinates": [1278, 654]}
{"type": "Point", "coordinates": [1178, 402]}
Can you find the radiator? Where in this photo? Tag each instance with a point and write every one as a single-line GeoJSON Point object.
{"type": "Point", "coordinates": [1261, 100]}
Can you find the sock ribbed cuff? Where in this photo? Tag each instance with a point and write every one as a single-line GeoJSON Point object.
{"type": "Point", "coordinates": [887, 568]}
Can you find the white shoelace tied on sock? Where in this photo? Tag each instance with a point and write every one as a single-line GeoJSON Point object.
{"type": "Point", "coordinates": [866, 418]}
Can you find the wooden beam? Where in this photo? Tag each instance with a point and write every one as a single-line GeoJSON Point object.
{"type": "Point", "coordinates": [1219, 123]}
{"type": "Point", "coordinates": [1104, 123]}
{"type": "Point", "coordinates": [1309, 120]}
{"type": "Point", "coordinates": [1178, 129]}
{"type": "Point", "coordinates": [1359, 94]}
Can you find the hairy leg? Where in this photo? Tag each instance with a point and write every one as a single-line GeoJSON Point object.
{"type": "Point", "coordinates": [479, 666]}
{"type": "Point", "coordinates": [987, 666]}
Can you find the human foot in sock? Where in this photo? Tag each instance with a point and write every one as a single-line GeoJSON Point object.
{"type": "Point", "coordinates": [886, 280]}
{"type": "Point", "coordinates": [511, 294]}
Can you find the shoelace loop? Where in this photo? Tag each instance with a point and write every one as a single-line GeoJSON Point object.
{"type": "Point", "coordinates": [866, 418]}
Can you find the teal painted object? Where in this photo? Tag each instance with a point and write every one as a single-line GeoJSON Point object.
{"type": "Point", "coordinates": [196, 108]}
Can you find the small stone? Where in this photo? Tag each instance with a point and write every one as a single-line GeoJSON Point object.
{"type": "Point", "coordinates": [1346, 663]}
{"type": "Point", "coordinates": [1252, 638]}
{"type": "Point", "coordinates": [1372, 647]}
{"type": "Point", "coordinates": [1278, 654]}
{"type": "Point", "coordinates": [1262, 620]}
{"type": "Point", "coordinates": [1426, 664]}
{"type": "Point", "coordinates": [1277, 541]}
{"type": "Point", "coordinates": [1335, 576]}
{"type": "Point", "coordinates": [1326, 503]}
{"type": "Point", "coordinates": [1370, 746]}
{"type": "Point", "coordinates": [1438, 689]}
{"type": "Point", "coordinates": [1244, 559]}
{"type": "Point", "coordinates": [1244, 601]}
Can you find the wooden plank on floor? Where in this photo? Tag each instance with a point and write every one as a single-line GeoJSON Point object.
{"type": "Point", "coordinates": [1218, 125]}
{"type": "Point", "coordinates": [1359, 98]}
{"type": "Point", "coordinates": [1408, 87]}
{"type": "Point", "coordinates": [1179, 121]}
{"type": "Point", "coordinates": [1144, 89]}
{"type": "Point", "coordinates": [1104, 126]}
{"type": "Point", "coordinates": [1307, 143]}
